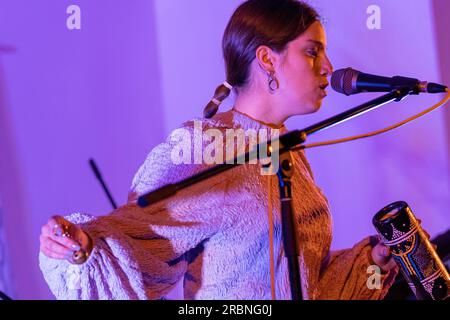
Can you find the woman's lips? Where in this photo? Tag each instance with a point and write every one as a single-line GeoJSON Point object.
{"type": "Point", "coordinates": [323, 89]}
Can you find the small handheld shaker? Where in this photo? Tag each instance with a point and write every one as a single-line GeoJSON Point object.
{"type": "Point", "coordinates": [413, 252]}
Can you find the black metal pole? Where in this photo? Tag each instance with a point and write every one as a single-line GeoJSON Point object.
{"type": "Point", "coordinates": [102, 182]}
{"type": "Point", "coordinates": [4, 296]}
{"type": "Point", "coordinates": [396, 95]}
{"type": "Point", "coordinates": [290, 241]}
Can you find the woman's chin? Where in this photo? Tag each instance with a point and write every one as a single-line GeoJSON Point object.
{"type": "Point", "coordinates": [316, 106]}
{"type": "Point", "coordinates": [312, 107]}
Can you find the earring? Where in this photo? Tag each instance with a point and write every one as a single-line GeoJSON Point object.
{"type": "Point", "coordinates": [274, 85]}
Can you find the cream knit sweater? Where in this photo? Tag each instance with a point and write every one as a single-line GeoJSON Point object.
{"type": "Point", "coordinates": [214, 236]}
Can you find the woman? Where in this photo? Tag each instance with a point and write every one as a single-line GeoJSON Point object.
{"type": "Point", "coordinates": [215, 236]}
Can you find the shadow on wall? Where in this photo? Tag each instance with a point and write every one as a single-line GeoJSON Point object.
{"type": "Point", "coordinates": [12, 195]}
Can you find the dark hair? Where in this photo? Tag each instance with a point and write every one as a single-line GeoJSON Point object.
{"type": "Point", "coordinates": [273, 23]}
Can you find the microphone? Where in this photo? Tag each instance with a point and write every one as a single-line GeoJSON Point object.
{"type": "Point", "coordinates": [350, 81]}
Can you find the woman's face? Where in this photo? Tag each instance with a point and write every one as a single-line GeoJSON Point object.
{"type": "Point", "coordinates": [303, 71]}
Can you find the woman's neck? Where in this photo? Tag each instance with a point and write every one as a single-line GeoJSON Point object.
{"type": "Point", "coordinates": [259, 107]}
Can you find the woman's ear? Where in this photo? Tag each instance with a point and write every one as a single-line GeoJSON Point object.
{"type": "Point", "coordinates": [266, 58]}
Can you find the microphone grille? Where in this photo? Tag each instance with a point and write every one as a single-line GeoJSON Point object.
{"type": "Point", "coordinates": [342, 81]}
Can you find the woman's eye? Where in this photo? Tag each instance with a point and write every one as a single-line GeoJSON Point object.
{"type": "Point", "coordinates": [313, 53]}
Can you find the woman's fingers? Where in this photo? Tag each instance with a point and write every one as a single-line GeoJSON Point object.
{"type": "Point", "coordinates": [55, 250]}
{"type": "Point", "coordinates": [54, 226]}
{"type": "Point", "coordinates": [58, 225]}
{"type": "Point", "coordinates": [66, 242]}
{"type": "Point", "coordinates": [65, 239]}
{"type": "Point", "coordinates": [381, 255]}
{"type": "Point", "coordinates": [61, 239]}
{"type": "Point", "coordinates": [391, 264]}
{"type": "Point", "coordinates": [62, 232]}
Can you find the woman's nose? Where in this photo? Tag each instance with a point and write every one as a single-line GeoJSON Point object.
{"type": "Point", "coordinates": [327, 67]}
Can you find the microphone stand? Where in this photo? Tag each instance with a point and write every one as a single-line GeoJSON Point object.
{"type": "Point", "coordinates": [287, 142]}
{"type": "Point", "coordinates": [102, 182]}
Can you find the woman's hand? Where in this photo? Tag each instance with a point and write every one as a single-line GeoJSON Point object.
{"type": "Point", "coordinates": [63, 240]}
{"type": "Point", "coordinates": [381, 256]}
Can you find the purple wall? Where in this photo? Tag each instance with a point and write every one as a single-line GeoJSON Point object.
{"type": "Point", "coordinates": [409, 164]}
{"type": "Point", "coordinates": [137, 69]}
{"type": "Point", "coordinates": [68, 95]}
{"type": "Point", "coordinates": [442, 25]}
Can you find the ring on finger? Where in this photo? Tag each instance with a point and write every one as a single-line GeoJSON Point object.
{"type": "Point", "coordinates": [57, 230]}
